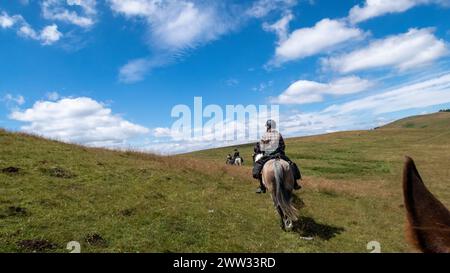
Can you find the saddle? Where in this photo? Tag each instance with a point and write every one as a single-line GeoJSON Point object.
{"type": "Point", "coordinates": [261, 159]}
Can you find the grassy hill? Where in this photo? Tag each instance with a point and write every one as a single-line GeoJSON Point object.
{"type": "Point", "coordinates": [52, 193]}
{"type": "Point", "coordinates": [435, 121]}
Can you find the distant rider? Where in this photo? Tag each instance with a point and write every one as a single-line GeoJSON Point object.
{"type": "Point", "coordinates": [272, 146]}
{"type": "Point", "coordinates": [229, 159]}
{"type": "Point", "coordinates": [236, 153]}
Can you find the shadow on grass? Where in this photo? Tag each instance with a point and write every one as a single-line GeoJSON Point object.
{"type": "Point", "coordinates": [308, 227]}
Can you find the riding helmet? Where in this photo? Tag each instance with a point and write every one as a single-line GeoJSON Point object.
{"type": "Point", "coordinates": [271, 124]}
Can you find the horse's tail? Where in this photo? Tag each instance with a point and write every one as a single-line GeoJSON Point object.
{"type": "Point", "coordinates": [283, 197]}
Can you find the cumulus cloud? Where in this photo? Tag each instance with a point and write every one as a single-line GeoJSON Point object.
{"type": "Point", "coordinates": [50, 35]}
{"type": "Point", "coordinates": [7, 21]}
{"type": "Point", "coordinates": [375, 8]}
{"type": "Point", "coordinates": [363, 112]}
{"type": "Point", "coordinates": [304, 92]}
{"type": "Point", "coordinates": [313, 123]}
{"type": "Point", "coordinates": [216, 131]}
{"type": "Point", "coordinates": [429, 92]}
{"type": "Point", "coordinates": [67, 11]}
{"type": "Point", "coordinates": [413, 49]}
{"type": "Point", "coordinates": [78, 120]}
{"type": "Point", "coordinates": [305, 42]}
{"type": "Point", "coordinates": [290, 124]}
{"type": "Point", "coordinates": [47, 36]}
{"type": "Point", "coordinates": [371, 110]}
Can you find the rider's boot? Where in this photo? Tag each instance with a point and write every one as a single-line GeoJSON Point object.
{"type": "Point", "coordinates": [262, 188]}
{"type": "Point", "coordinates": [297, 185]}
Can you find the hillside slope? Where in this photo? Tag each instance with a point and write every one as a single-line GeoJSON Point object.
{"type": "Point", "coordinates": [52, 193]}
{"type": "Point", "coordinates": [434, 121]}
{"type": "Point", "coordinates": [353, 179]}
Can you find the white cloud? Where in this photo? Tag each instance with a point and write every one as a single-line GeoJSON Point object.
{"type": "Point", "coordinates": [162, 132]}
{"type": "Point", "coordinates": [262, 8]}
{"type": "Point", "coordinates": [375, 8]}
{"type": "Point", "coordinates": [291, 124]}
{"type": "Point", "coordinates": [312, 123]}
{"type": "Point", "coordinates": [304, 92]}
{"type": "Point", "coordinates": [52, 96]}
{"type": "Point", "coordinates": [47, 36]}
{"type": "Point", "coordinates": [304, 42]}
{"type": "Point", "coordinates": [134, 70]}
{"type": "Point", "coordinates": [66, 11]}
{"type": "Point", "coordinates": [429, 92]}
{"type": "Point", "coordinates": [50, 35]}
{"type": "Point", "coordinates": [28, 32]}
{"type": "Point", "coordinates": [372, 110]}
{"type": "Point", "coordinates": [179, 147]}
{"type": "Point", "coordinates": [214, 133]}
{"type": "Point", "coordinates": [78, 120]}
{"type": "Point", "coordinates": [177, 24]}
{"type": "Point", "coordinates": [134, 7]}
{"type": "Point", "coordinates": [362, 113]}
{"type": "Point", "coordinates": [281, 27]}
{"type": "Point", "coordinates": [15, 100]}
{"type": "Point", "coordinates": [7, 21]}
{"type": "Point", "coordinates": [174, 27]}
{"type": "Point", "coordinates": [413, 49]}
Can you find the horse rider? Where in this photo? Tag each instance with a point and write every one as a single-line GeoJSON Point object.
{"type": "Point", "coordinates": [236, 155]}
{"type": "Point", "coordinates": [272, 146]}
{"type": "Point", "coordinates": [229, 159]}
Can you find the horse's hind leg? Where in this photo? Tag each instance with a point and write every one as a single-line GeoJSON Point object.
{"type": "Point", "coordinates": [285, 223]}
{"type": "Point", "coordinates": [288, 224]}
{"type": "Point", "coordinates": [280, 212]}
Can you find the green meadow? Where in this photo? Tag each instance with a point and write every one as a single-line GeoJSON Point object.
{"type": "Point", "coordinates": [52, 193]}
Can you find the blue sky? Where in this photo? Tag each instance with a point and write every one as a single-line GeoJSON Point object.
{"type": "Point", "coordinates": [108, 73]}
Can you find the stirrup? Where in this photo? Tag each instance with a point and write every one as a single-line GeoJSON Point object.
{"type": "Point", "coordinates": [259, 190]}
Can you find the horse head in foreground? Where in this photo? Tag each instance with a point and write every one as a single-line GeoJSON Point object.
{"type": "Point", "coordinates": [278, 178]}
{"type": "Point", "coordinates": [428, 219]}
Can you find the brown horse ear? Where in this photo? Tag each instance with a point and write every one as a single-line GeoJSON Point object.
{"type": "Point", "coordinates": [428, 218]}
